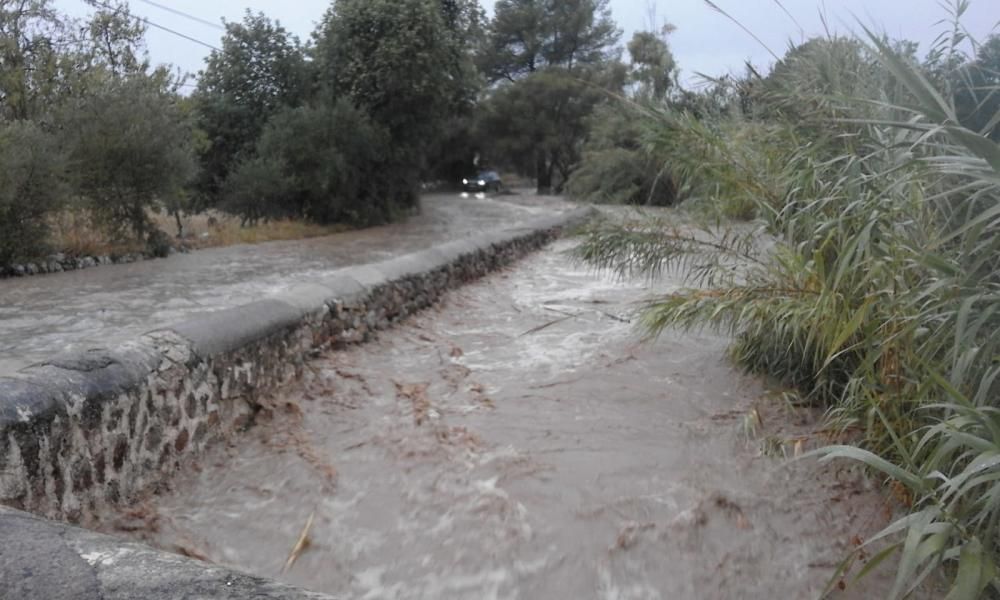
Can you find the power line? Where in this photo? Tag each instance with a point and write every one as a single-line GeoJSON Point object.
{"type": "Point", "coordinates": [178, 34]}
{"type": "Point", "coordinates": [181, 13]}
{"type": "Point", "coordinates": [106, 6]}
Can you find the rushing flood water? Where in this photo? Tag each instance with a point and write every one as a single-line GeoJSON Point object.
{"type": "Point", "coordinates": [43, 315]}
{"type": "Point", "coordinates": [519, 441]}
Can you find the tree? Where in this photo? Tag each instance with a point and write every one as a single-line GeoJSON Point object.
{"type": "Point", "coordinates": [318, 163]}
{"type": "Point", "coordinates": [255, 190]}
{"type": "Point", "coordinates": [552, 57]}
{"type": "Point", "coordinates": [393, 58]}
{"type": "Point", "coordinates": [116, 39]}
{"type": "Point", "coordinates": [32, 185]}
{"type": "Point", "coordinates": [653, 66]}
{"type": "Point", "coordinates": [31, 33]}
{"type": "Point", "coordinates": [539, 123]}
{"type": "Point", "coordinates": [398, 61]}
{"type": "Point", "coordinates": [130, 149]}
{"type": "Point", "coordinates": [528, 35]}
{"type": "Point", "coordinates": [451, 153]}
{"type": "Point", "coordinates": [617, 166]}
{"type": "Point", "coordinates": [259, 71]}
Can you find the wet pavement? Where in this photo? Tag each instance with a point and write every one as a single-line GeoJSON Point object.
{"type": "Point", "coordinates": [521, 441]}
{"type": "Point", "coordinates": [43, 315]}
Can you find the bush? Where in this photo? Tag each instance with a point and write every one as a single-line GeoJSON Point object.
{"type": "Point", "coordinates": [130, 147]}
{"type": "Point", "coordinates": [617, 166]}
{"type": "Point", "coordinates": [32, 185]}
{"type": "Point", "coordinates": [257, 190]}
{"type": "Point", "coordinates": [325, 164]}
{"type": "Point", "coordinates": [158, 243]}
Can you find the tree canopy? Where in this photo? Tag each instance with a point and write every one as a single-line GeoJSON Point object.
{"type": "Point", "coordinates": [259, 70]}
{"type": "Point", "coordinates": [551, 62]}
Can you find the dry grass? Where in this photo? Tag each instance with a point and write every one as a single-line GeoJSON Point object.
{"type": "Point", "coordinates": [75, 234]}
{"type": "Point", "coordinates": [213, 229]}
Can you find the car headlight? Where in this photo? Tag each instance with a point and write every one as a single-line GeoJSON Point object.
{"type": "Point", "coordinates": [481, 182]}
{"type": "Point", "coordinates": [465, 182]}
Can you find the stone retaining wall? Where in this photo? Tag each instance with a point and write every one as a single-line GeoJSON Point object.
{"type": "Point", "coordinates": [59, 263]}
{"type": "Point", "coordinates": [94, 430]}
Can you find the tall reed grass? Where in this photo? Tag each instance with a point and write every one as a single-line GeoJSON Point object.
{"type": "Point", "coordinates": [878, 295]}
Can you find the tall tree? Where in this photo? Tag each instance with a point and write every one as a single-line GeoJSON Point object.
{"type": "Point", "coordinates": [260, 70]}
{"type": "Point", "coordinates": [31, 35]}
{"type": "Point", "coordinates": [130, 150]}
{"type": "Point", "coordinates": [653, 64]}
{"type": "Point", "coordinates": [549, 57]}
{"type": "Point", "coordinates": [399, 61]}
{"type": "Point", "coordinates": [116, 39]}
{"type": "Point", "coordinates": [32, 183]}
{"type": "Point", "coordinates": [528, 35]}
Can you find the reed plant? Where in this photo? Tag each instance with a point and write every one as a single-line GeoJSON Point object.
{"type": "Point", "coordinates": [866, 276]}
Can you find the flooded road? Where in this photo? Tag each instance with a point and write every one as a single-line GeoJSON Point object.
{"type": "Point", "coordinates": [44, 315]}
{"type": "Point", "coordinates": [519, 441]}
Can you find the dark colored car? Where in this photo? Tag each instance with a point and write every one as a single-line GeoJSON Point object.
{"type": "Point", "coordinates": [484, 181]}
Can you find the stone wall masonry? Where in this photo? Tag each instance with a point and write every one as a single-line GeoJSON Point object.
{"type": "Point", "coordinates": [92, 431]}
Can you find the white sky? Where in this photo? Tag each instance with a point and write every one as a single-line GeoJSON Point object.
{"type": "Point", "coordinates": [705, 41]}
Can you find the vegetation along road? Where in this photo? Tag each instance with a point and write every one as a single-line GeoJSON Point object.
{"type": "Point", "coordinates": [826, 219]}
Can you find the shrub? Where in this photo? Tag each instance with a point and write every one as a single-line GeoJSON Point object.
{"type": "Point", "coordinates": [130, 147]}
{"type": "Point", "coordinates": [256, 191]}
{"type": "Point", "coordinates": [617, 165]}
{"type": "Point", "coordinates": [32, 185]}
{"type": "Point", "coordinates": [876, 294]}
{"type": "Point", "coordinates": [325, 164]}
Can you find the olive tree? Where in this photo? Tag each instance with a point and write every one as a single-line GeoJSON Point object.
{"type": "Point", "coordinates": [32, 184]}
{"type": "Point", "coordinates": [130, 149]}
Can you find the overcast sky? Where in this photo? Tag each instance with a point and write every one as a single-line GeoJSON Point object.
{"type": "Point", "coordinates": [705, 41]}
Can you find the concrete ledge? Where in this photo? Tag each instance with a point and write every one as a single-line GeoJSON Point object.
{"type": "Point", "coordinates": [45, 560]}
{"type": "Point", "coordinates": [90, 432]}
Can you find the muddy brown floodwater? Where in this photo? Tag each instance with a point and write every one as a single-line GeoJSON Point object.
{"type": "Point", "coordinates": [44, 315]}
{"type": "Point", "coordinates": [520, 441]}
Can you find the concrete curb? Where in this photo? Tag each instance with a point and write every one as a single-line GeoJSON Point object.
{"type": "Point", "coordinates": [91, 431]}
{"type": "Point", "coordinates": [44, 560]}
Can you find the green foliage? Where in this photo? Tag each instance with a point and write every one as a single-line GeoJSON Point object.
{"type": "Point", "coordinates": [256, 190]}
{"type": "Point", "coordinates": [130, 149]}
{"type": "Point", "coordinates": [538, 124]}
{"type": "Point", "coordinates": [116, 39]}
{"type": "Point", "coordinates": [557, 63]}
{"type": "Point", "coordinates": [259, 71]}
{"type": "Point", "coordinates": [653, 64]}
{"type": "Point", "coordinates": [30, 34]}
{"type": "Point", "coordinates": [874, 290]}
{"type": "Point", "coordinates": [617, 166]}
{"type": "Point", "coordinates": [526, 36]}
{"type": "Point", "coordinates": [316, 163]}
{"type": "Point", "coordinates": [32, 184]}
{"type": "Point", "coordinates": [404, 64]}
{"type": "Point", "coordinates": [394, 59]}
{"type": "Point", "coordinates": [976, 97]}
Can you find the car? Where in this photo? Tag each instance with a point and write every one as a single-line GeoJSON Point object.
{"type": "Point", "coordinates": [484, 181]}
